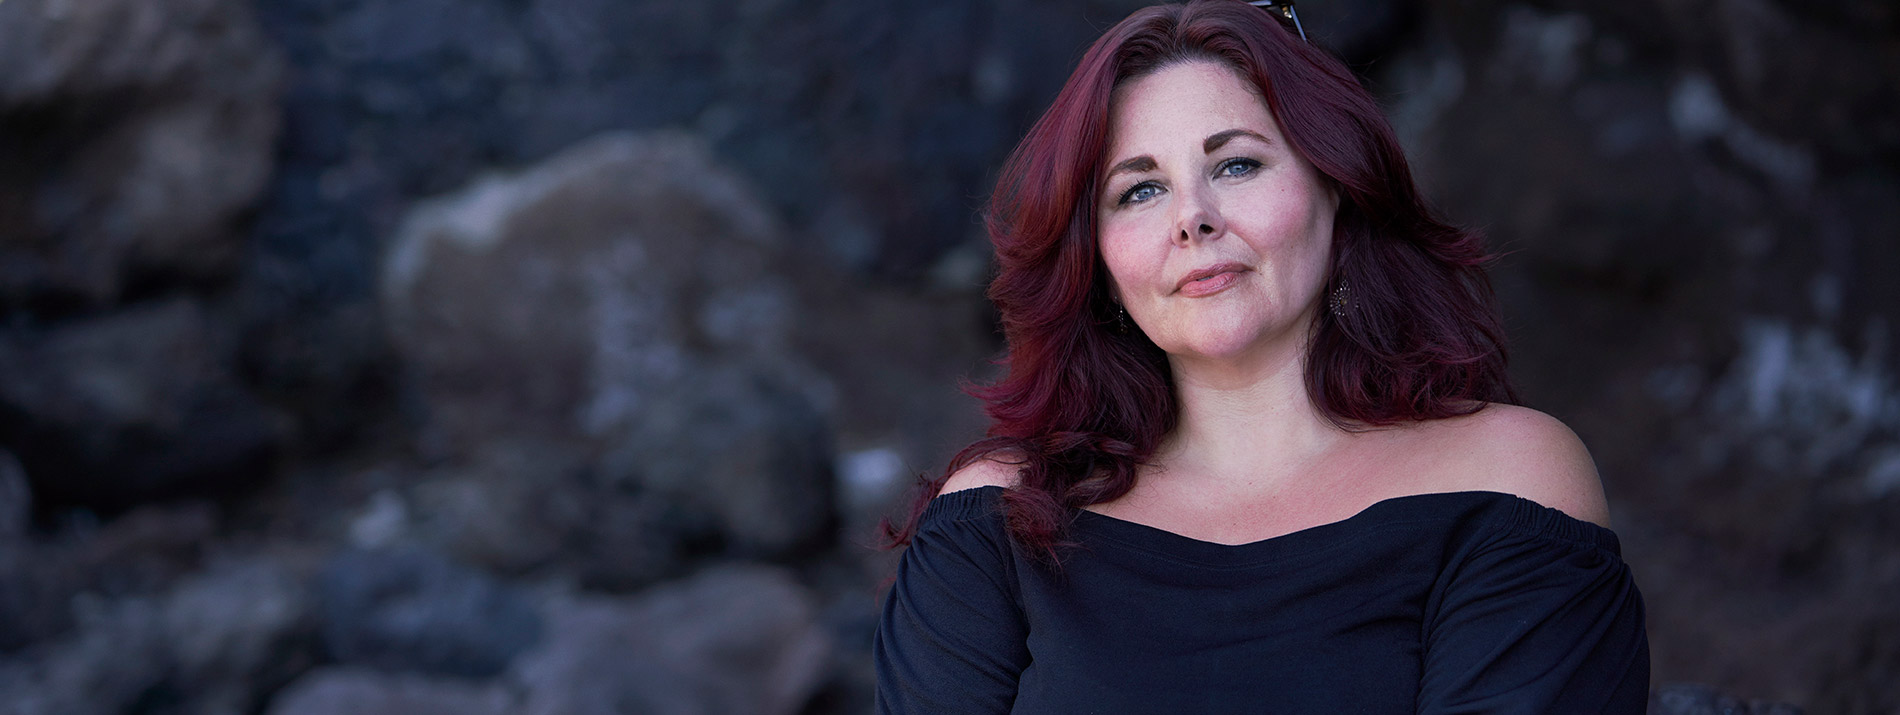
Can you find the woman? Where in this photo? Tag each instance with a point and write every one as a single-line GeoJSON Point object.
{"type": "Point", "coordinates": [1256, 449]}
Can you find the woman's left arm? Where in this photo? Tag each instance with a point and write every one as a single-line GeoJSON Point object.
{"type": "Point", "coordinates": [1541, 617]}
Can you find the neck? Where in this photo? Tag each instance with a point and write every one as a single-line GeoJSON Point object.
{"type": "Point", "coordinates": [1246, 421]}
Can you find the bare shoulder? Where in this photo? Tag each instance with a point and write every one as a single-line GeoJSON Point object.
{"type": "Point", "coordinates": [994, 470]}
{"type": "Point", "coordinates": [1518, 450]}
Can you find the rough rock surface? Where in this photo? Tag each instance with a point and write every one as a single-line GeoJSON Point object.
{"type": "Point", "coordinates": [1691, 699]}
{"type": "Point", "coordinates": [559, 300]}
{"type": "Point", "coordinates": [206, 645]}
{"type": "Point", "coordinates": [625, 297]}
{"type": "Point", "coordinates": [157, 120]}
{"type": "Point", "coordinates": [350, 691]}
{"type": "Point", "coordinates": [408, 610]}
{"type": "Point", "coordinates": [738, 640]}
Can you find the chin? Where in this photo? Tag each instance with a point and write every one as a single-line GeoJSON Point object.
{"type": "Point", "coordinates": [1226, 339]}
{"type": "Point", "coordinates": [1214, 343]}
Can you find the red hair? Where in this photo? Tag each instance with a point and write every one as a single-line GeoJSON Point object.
{"type": "Point", "coordinates": [1083, 405]}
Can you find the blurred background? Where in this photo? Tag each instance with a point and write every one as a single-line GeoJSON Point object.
{"type": "Point", "coordinates": [559, 356]}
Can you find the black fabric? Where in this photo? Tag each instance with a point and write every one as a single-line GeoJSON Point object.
{"type": "Point", "coordinates": [1466, 602]}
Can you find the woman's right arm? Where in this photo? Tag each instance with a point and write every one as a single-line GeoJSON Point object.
{"type": "Point", "coordinates": [952, 636]}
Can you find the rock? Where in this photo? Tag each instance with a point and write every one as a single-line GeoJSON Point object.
{"type": "Point", "coordinates": [1693, 699]}
{"type": "Point", "coordinates": [139, 405]}
{"type": "Point", "coordinates": [157, 121]}
{"type": "Point", "coordinates": [736, 639]}
{"type": "Point", "coordinates": [228, 623]}
{"type": "Point", "coordinates": [139, 554]}
{"type": "Point", "coordinates": [558, 301]}
{"type": "Point", "coordinates": [509, 508]}
{"type": "Point", "coordinates": [115, 654]}
{"type": "Point", "coordinates": [209, 644]}
{"type": "Point", "coordinates": [519, 507]}
{"type": "Point", "coordinates": [351, 691]}
{"type": "Point", "coordinates": [413, 611]}
{"type": "Point", "coordinates": [668, 357]}
{"type": "Point", "coordinates": [751, 456]}
{"type": "Point", "coordinates": [143, 552]}
{"type": "Point", "coordinates": [16, 499]}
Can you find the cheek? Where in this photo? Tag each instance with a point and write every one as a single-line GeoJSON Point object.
{"type": "Point", "coordinates": [1117, 256]}
{"type": "Point", "coordinates": [1132, 262]}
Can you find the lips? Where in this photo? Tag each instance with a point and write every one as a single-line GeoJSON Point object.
{"type": "Point", "coordinates": [1210, 280]}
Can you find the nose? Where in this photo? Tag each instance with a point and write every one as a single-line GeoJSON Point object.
{"type": "Point", "coordinates": [1197, 217]}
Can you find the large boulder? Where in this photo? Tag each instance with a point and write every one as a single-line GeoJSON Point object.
{"type": "Point", "coordinates": [559, 300]}
{"type": "Point", "coordinates": [625, 298]}
{"type": "Point", "coordinates": [136, 134]}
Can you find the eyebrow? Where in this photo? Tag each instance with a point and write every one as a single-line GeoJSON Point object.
{"type": "Point", "coordinates": [1213, 142]}
{"type": "Point", "coordinates": [1140, 163]}
{"type": "Point", "coordinates": [1220, 139]}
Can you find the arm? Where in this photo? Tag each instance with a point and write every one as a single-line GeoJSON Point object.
{"type": "Point", "coordinates": [1543, 618]}
{"type": "Point", "coordinates": [951, 638]}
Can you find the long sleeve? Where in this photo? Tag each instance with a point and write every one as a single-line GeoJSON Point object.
{"type": "Point", "coordinates": [1541, 616]}
{"type": "Point", "coordinates": [951, 636]}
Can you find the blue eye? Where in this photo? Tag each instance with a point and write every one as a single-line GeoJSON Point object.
{"type": "Point", "coordinates": [1139, 193]}
{"type": "Point", "coordinates": [1238, 167]}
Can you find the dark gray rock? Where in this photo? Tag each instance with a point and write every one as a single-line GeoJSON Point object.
{"type": "Point", "coordinates": [525, 508]}
{"type": "Point", "coordinates": [354, 691]}
{"type": "Point", "coordinates": [739, 640]}
{"type": "Point", "coordinates": [139, 405]}
{"type": "Point", "coordinates": [1693, 699]}
{"type": "Point", "coordinates": [135, 134]}
{"type": "Point", "coordinates": [140, 554]}
{"type": "Point", "coordinates": [748, 457]}
{"type": "Point", "coordinates": [511, 507]}
{"type": "Point", "coordinates": [32, 597]}
{"type": "Point", "coordinates": [413, 611]}
{"type": "Point", "coordinates": [115, 654]}
{"type": "Point", "coordinates": [16, 499]}
{"type": "Point", "coordinates": [208, 644]}
{"type": "Point", "coordinates": [229, 623]}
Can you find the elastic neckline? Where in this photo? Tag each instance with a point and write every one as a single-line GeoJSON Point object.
{"type": "Point", "coordinates": [1507, 512]}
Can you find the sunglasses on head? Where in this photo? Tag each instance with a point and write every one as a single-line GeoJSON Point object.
{"type": "Point", "coordinates": [1284, 9]}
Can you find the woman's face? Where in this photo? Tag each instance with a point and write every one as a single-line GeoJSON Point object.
{"type": "Point", "coordinates": [1216, 234]}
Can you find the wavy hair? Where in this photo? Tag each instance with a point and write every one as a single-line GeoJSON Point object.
{"type": "Point", "coordinates": [1082, 406]}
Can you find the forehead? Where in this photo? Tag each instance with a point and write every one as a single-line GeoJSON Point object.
{"type": "Point", "coordinates": [1184, 103]}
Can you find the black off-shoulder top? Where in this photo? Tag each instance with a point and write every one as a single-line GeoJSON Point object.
{"type": "Point", "coordinates": [1464, 602]}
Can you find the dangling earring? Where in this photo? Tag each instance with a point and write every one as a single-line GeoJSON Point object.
{"type": "Point", "coordinates": [1121, 318]}
{"type": "Point", "coordinates": [1341, 299]}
